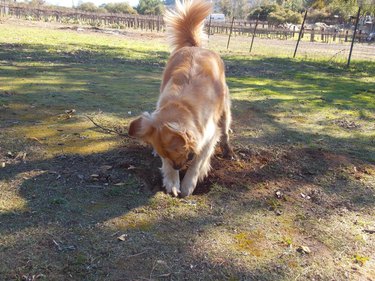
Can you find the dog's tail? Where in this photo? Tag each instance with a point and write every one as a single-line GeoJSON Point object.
{"type": "Point", "coordinates": [185, 25]}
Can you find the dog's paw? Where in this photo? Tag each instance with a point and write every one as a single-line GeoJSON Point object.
{"type": "Point", "coordinates": [172, 188]}
{"type": "Point", "coordinates": [228, 153]}
{"type": "Point", "coordinates": [187, 188]}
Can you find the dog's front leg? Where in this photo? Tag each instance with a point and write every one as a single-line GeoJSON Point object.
{"type": "Point", "coordinates": [171, 178]}
{"type": "Point", "coordinates": [198, 169]}
{"type": "Point", "coordinates": [191, 178]}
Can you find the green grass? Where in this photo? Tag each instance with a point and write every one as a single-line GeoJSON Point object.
{"type": "Point", "coordinates": [302, 127]}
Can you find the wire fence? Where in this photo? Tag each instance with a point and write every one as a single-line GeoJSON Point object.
{"type": "Point", "coordinates": [233, 27]}
{"type": "Point", "coordinates": [156, 23]}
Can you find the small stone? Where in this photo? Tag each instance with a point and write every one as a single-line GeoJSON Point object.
{"type": "Point", "coordinates": [3, 165]}
{"type": "Point", "coordinates": [279, 194]}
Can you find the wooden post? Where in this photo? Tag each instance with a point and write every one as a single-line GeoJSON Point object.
{"type": "Point", "coordinates": [230, 32]}
{"type": "Point", "coordinates": [300, 34]}
{"type": "Point", "coordinates": [312, 35]}
{"type": "Point", "coordinates": [255, 29]}
{"type": "Point", "coordinates": [354, 33]}
{"type": "Point", "coordinates": [209, 27]}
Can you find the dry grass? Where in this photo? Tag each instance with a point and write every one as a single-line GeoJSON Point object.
{"type": "Point", "coordinates": [303, 131]}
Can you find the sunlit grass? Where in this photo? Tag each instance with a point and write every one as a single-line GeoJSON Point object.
{"type": "Point", "coordinates": [281, 106]}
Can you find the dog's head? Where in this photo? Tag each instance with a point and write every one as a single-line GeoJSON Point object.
{"type": "Point", "coordinates": [170, 141]}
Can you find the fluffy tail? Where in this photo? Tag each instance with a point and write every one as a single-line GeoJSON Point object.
{"type": "Point", "coordinates": [185, 25]}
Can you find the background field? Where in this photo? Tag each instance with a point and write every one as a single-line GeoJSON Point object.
{"type": "Point", "coordinates": [297, 205]}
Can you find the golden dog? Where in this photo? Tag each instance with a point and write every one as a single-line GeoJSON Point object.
{"type": "Point", "coordinates": [193, 110]}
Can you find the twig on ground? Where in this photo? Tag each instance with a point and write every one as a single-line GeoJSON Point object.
{"type": "Point", "coordinates": [135, 255]}
{"type": "Point", "coordinates": [57, 244]}
{"type": "Point", "coordinates": [370, 231]}
{"type": "Point", "coordinates": [35, 139]}
{"type": "Point", "coordinates": [107, 130]}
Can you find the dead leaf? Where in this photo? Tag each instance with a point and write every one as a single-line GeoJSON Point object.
{"type": "Point", "coordinates": [131, 167]}
{"type": "Point", "coordinates": [105, 168]}
{"type": "Point", "coordinates": [303, 250]}
{"type": "Point", "coordinates": [21, 155]}
{"type": "Point", "coordinates": [278, 212]}
{"type": "Point", "coordinates": [123, 237]}
{"type": "Point", "coordinates": [35, 139]}
{"type": "Point", "coordinates": [120, 184]}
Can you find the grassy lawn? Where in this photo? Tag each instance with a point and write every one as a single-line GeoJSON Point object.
{"type": "Point", "coordinates": [77, 203]}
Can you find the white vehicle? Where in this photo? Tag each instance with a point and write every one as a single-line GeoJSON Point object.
{"type": "Point", "coordinates": [216, 18]}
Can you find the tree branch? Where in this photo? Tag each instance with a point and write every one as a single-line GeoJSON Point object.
{"type": "Point", "coordinates": [107, 130]}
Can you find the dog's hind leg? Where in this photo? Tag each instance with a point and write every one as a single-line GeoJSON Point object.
{"type": "Point", "coordinates": [224, 124]}
{"type": "Point", "coordinates": [171, 178]}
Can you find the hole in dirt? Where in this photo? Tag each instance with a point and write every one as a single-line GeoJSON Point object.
{"type": "Point", "coordinates": [251, 168]}
{"type": "Point", "coordinates": [139, 160]}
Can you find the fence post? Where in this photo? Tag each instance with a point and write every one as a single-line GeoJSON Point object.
{"type": "Point", "coordinates": [230, 32]}
{"type": "Point", "coordinates": [299, 35]}
{"type": "Point", "coordinates": [255, 29]}
{"type": "Point", "coordinates": [312, 35]}
{"type": "Point", "coordinates": [354, 33]}
{"type": "Point", "coordinates": [209, 27]}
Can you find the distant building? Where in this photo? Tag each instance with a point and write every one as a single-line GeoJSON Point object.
{"type": "Point", "coordinates": [367, 24]}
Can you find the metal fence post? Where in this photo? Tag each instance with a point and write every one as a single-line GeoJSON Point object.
{"type": "Point", "coordinates": [300, 34]}
{"type": "Point", "coordinates": [230, 32]}
{"type": "Point", "coordinates": [255, 29]}
{"type": "Point", "coordinates": [354, 33]}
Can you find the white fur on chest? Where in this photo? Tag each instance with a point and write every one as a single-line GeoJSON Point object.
{"type": "Point", "coordinates": [209, 133]}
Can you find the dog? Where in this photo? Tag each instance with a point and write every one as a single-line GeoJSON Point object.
{"type": "Point", "coordinates": [193, 111]}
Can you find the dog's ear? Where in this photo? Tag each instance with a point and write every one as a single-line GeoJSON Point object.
{"type": "Point", "coordinates": [181, 137]}
{"type": "Point", "coordinates": [177, 141]}
{"type": "Point", "coordinates": [141, 127]}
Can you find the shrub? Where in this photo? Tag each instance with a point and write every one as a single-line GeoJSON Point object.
{"type": "Point", "coordinates": [263, 12]}
{"type": "Point", "coordinates": [275, 15]}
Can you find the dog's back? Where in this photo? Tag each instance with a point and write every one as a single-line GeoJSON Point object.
{"type": "Point", "coordinates": [193, 75]}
